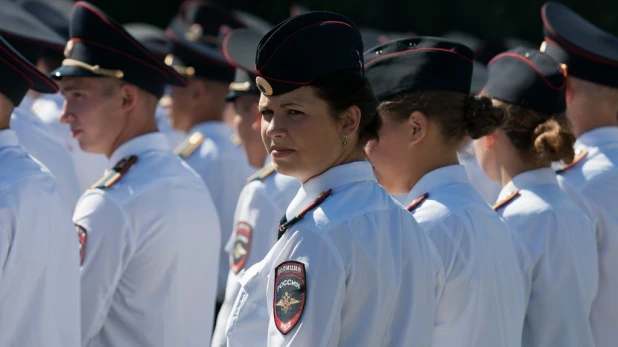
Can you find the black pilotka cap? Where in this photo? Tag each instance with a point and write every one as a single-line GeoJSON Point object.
{"type": "Point", "coordinates": [304, 48]}
{"type": "Point", "coordinates": [590, 53]}
{"type": "Point", "coordinates": [26, 33]}
{"type": "Point", "coordinates": [196, 34]}
{"type": "Point", "coordinates": [528, 78]}
{"type": "Point", "coordinates": [419, 64]}
{"type": "Point", "coordinates": [151, 37]}
{"type": "Point", "coordinates": [54, 19]}
{"type": "Point", "coordinates": [239, 48]}
{"type": "Point", "coordinates": [100, 47]}
{"type": "Point", "coordinates": [19, 75]}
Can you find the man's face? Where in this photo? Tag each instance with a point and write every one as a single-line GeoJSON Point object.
{"type": "Point", "coordinates": [93, 110]}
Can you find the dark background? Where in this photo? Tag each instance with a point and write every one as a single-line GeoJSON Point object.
{"type": "Point", "coordinates": [488, 19]}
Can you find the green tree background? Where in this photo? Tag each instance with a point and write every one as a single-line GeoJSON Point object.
{"type": "Point", "coordinates": [488, 19]}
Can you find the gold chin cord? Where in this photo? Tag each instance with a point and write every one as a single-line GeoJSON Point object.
{"type": "Point", "coordinates": [96, 69]}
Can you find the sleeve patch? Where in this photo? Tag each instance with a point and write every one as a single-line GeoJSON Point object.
{"type": "Point", "coordinates": [290, 295]}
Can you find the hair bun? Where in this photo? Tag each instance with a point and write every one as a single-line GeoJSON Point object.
{"type": "Point", "coordinates": [482, 117]}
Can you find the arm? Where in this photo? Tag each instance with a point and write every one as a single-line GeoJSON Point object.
{"type": "Point", "coordinates": [107, 251]}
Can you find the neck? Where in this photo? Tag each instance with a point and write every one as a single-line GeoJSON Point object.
{"type": "Point", "coordinates": [348, 156]}
{"type": "Point", "coordinates": [590, 116]}
{"type": "Point", "coordinates": [418, 168]}
{"type": "Point", "coordinates": [34, 94]}
{"type": "Point", "coordinates": [512, 168]}
{"type": "Point", "coordinates": [130, 133]}
{"type": "Point", "coordinates": [6, 109]}
{"type": "Point", "coordinates": [207, 114]}
{"type": "Point", "coordinates": [256, 154]}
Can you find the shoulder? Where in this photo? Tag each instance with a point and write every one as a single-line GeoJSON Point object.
{"type": "Point", "coordinates": [20, 168]}
{"type": "Point", "coordinates": [96, 207]}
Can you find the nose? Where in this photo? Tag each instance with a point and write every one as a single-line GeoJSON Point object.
{"type": "Point", "coordinates": [276, 127]}
{"type": "Point", "coordinates": [66, 117]}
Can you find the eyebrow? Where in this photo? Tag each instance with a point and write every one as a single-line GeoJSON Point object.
{"type": "Point", "coordinates": [71, 88]}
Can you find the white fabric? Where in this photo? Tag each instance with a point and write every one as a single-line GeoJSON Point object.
{"type": "Point", "coordinates": [224, 168]}
{"type": "Point", "coordinates": [370, 271]}
{"type": "Point", "coordinates": [484, 298]}
{"type": "Point", "coordinates": [487, 188]}
{"type": "Point", "coordinates": [596, 178]}
{"type": "Point", "coordinates": [562, 242]}
{"type": "Point", "coordinates": [261, 205]}
{"type": "Point", "coordinates": [39, 262]}
{"type": "Point", "coordinates": [149, 273]}
{"type": "Point", "coordinates": [40, 141]}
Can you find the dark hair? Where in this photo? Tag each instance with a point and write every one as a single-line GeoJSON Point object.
{"type": "Point", "coordinates": [349, 88]}
{"type": "Point", "coordinates": [459, 115]}
{"type": "Point", "coordinates": [545, 137]}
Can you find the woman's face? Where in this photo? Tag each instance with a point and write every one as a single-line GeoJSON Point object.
{"type": "Point", "coordinates": [300, 134]}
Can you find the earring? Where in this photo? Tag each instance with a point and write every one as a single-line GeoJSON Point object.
{"type": "Point", "coordinates": [345, 140]}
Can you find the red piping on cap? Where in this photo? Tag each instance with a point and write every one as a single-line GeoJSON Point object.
{"type": "Point", "coordinates": [418, 50]}
{"type": "Point", "coordinates": [78, 39]}
{"type": "Point", "coordinates": [531, 64]}
{"type": "Point", "coordinates": [166, 70]}
{"type": "Point", "coordinates": [578, 51]}
{"type": "Point", "coordinates": [292, 34]}
{"type": "Point", "coordinates": [226, 54]}
{"type": "Point", "coordinates": [27, 67]}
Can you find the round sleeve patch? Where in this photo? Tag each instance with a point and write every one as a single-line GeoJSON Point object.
{"type": "Point", "coordinates": [241, 247]}
{"type": "Point", "coordinates": [290, 295]}
{"type": "Point", "coordinates": [82, 235]}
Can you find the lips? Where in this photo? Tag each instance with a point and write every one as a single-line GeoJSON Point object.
{"type": "Point", "coordinates": [280, 152]}
{"type": "Point", "coordinates": [75, 132]}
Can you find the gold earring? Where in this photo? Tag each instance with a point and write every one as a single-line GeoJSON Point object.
{"type": "Point", "coordinates": [345, 140]}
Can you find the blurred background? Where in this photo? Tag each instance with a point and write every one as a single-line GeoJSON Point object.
{"type": "Point", "coordinates": [490, 20]}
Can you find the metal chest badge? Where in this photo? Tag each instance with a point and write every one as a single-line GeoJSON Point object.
{"type": "Point", "coordinates": [242, 246]}
{"type": "Point", "coordinates": [290, 295]}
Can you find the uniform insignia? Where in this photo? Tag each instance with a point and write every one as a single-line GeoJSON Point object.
{"type": "Point", "coordinates": [114, 175]}
{"type": "Point", "coordinates": [189, 145]}
{"type": "Point", "coordinates": [235, 139]}
{"type": "Point", "coordinates": [242, 246]}
{"type": "Point", "coordinates": [82, 235]}
{"type": "Point", "coordinates": [262, 173]}
{"type": "Point", "coordinates": [285, 224]}
{"type": "Point", "coordinates": [416, 203]}
{"type": "Point", "coordinates": [506, 200]}
{"type": "Point", "coordinates": [290, 295]}
{"type": "Point", "coordinates": [579, 156]}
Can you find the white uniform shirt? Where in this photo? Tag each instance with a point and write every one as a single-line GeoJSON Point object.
{"type": "Point", "coordinates": [596, 178]}
{"type": "Point", "coordinates": [562, 243]}
{"type": "Point", "coordinates": [39, 262]}
{"type": "Point", "coordinates": [41, 142]}
{"type": "Point", "coordinates": [150, 257]}
{"type": "Point", "coordinates": [484, 298]}
{"type": "Point", "coordinates": [487, 188]}
{"type": "Point", "coordinates": [224, 167]}
{"type": "Point", "coordinates": [88, 166]}
{"type": "Point", "coordinates": [260, 207]}
{"type": "Point", "coordinates": [370, 272]}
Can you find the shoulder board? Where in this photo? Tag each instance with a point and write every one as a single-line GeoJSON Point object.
{"type": "Point", "coordinates": [115, 174]}
{"type": "Point", "coordinates": [507, 200]}
{"type": "Point", "coordinates": [579, 156]}
{"type": "Point", "coordinates": [189, 145]}
{"type": "Point", "coordinates": [264, 172]}
{"type": "Point", "coordinates": [414, 204]}
{"type": "Point", "coordinates": [235, 139]}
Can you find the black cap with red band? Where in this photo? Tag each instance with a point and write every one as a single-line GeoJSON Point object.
{"type": "Point", "coordinates": [590, 53]}
{"type": "Point", "coordinates": [100, 47]}
{"type": "Point", "coordinates": [419, 64]}
{"type": "Point", "coordinates": [304, 48]}
{"type": "Point", "coordinates": [527, 78]}
{"type": "Point", "coordinates": [18, 75]}
{"type": "Point", "coordinates": [239, 48]}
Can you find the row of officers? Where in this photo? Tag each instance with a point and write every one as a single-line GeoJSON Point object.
{"type": "Point", "coordinates": [361, 229]}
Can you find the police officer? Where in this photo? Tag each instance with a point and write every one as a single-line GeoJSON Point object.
{"type": "Point", "coordinates": [198, 109]}
{"type": "Point", "coordinates": [148, 229]}
{"type": "Point", "coordinates": [351, 267]}
{"type": "Point", "coordinates": [559, 236]}
{"type": "Point", "coordinates": [88, 166]}
{"type": "Point", "coordinates": [591, 58]}
{"type": "Point", "coordinates": [39, 272]}
{"type": "Point", "coordinates": [423, 84]}
{"type": "Point", "coordinates": [265, 198]}
{"type": "Point", "coordinates": [27, 34]}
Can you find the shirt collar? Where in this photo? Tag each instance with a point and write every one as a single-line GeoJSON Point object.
{"type": "Point", "coordinates": [211, 128]}
{"type": "Point", "coordinates": [438, 178]}
{"type": "Point", "coordinates": [528, 179]}
{"type": "Point", "coordinates": [138, 145]}
{"type": "Point", "coordinates": [599, 137]}
{"type": "Point", "coordinates": [338, 176]}
{"type": "Point", "coordinates": [8, 138]}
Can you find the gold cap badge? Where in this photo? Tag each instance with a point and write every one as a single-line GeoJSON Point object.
{"type": "Point", "coordinates": [263, 86]}
{"type": "Point", "coordinates": [543, 46]}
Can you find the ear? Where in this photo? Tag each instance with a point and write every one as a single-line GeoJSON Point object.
{"type": "Point", "coordinates": [350, 120]}
{"type": "Point", "coordinates": [489, 141]}
{"type": "Point", "coordinates": [197, 88]}
{"type": "Point", "coordinates": [417, 124]}
{"type": "Point", "coordinates": [130, 97]}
